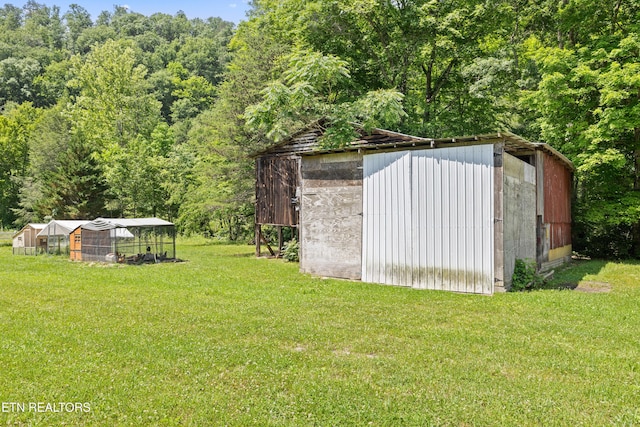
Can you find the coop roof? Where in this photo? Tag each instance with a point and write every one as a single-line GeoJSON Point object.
{"type": "Point", "coordinates": [100, 224]}
{"type": "Point", "coordinates": [61, 227]}
{"type": "Point", "coordinates": [35, 226]}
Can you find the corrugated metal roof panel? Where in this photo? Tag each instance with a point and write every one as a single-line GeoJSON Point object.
{"type": "Point", "coordinates": [305, 142]}
{"type": "Point", "coordinates": [100, 224]}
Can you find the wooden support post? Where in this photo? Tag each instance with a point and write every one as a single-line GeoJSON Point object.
{"type": "Point", "coordinates": [264, 240]}
{"type": "Point", "coordinates": [280, 242]}
{"type": "Point", "coordinates": [257, 237]}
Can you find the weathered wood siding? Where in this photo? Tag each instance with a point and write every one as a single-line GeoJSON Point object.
{"type": "Point", "coordinates": [331, 215]}
{"type": "Point", "coordinates": [428, 219]}
{"type": "Point", "coordinates": [277, 179]}
{"type": "Point", "coordinates": [27, 243]}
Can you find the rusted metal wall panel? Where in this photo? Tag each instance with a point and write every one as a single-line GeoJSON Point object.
{"type": "Point", "coordinates": [277, 179]}
{"type": "Point", "coordinates": [557, 202]}
{"type": "Point", "coordinates": [331, 215]}
{"type": "Point", "coordinates": [428, 219]}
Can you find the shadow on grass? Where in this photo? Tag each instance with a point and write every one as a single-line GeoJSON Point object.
{"type": "Point", "coordinates": [237, 255]}
{"type": "Point", "coordinates": [570, 275]}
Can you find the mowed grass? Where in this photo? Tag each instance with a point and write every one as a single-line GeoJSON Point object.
{"type": "Point", "coordinates": [228, 339]}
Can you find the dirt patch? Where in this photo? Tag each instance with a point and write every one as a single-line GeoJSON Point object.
{"type": "Point", "coordinates": [586, 286]}
{"type": "Point", "coordinates": [564, 286]}
{"type": "Point", "coordinates": [593, 287]}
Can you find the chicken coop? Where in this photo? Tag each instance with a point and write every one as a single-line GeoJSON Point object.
{"type": "Point", "coordinates": [129, 240]}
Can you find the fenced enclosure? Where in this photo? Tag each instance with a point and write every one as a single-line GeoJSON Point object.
{"type": "Point", "coordinates": [126, 240]}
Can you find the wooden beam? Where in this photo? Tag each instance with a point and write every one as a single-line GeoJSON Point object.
{"type": "Point", "coordinates": [258, 233]}
{"type": "Point", "coordinates": [264, 240]}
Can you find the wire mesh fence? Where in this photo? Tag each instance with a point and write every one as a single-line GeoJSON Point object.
{"type": "Point", "coordinates": [129, 245]}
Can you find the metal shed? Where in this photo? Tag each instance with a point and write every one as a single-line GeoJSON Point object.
{"type": "Point", "coordinates": [449, 213]}
{"type": "Point", "coordinates": [27, 242]}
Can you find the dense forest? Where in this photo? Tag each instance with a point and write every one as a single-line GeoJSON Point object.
{"type": "Point", "coordinates": [158, 115]}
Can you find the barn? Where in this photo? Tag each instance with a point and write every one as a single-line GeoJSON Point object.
{"type": "Point", "coordinates": [447, 213]}
{"type": "Point", "coordinates": [27, 242]}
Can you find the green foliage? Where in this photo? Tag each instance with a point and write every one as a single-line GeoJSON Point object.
{"type": "Point", "coordinates": [17, 77]}
{"type": "Point", "coordinates": [17, 125]}
{"type": "Point", "coordinates": [380, 108]}
{"type": "Point", "coordinates": [113, 104]}
{"type": "Point", "coordinates": [314, 86]}
{"type": "Point", "coordinates": [588, 107]}
{"type": "Point", "coordinates": [107, 145]}
{"type": "Point", "coordinates": [221, 178]}
{"type": "Point", "coordinates": [561, 72]}
{"type": "Point", "coordinates": [62, 179]}
{"type": "Point", "coordinates": [525, 276]}
{"type": "Point", "coordinates": [291, 251]}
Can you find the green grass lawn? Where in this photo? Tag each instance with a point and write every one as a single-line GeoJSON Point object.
{"type": "Point", "coordinates": [227, 339]}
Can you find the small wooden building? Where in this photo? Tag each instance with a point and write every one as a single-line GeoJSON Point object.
{"type": "Point", "coordinates": [75, 244]}
{"type": "Point", "coordinates": [450, 213]}
{"type": "Point", "coordinates": [56, 234]}
{"type": "Point", "coordinates": [27, 242]}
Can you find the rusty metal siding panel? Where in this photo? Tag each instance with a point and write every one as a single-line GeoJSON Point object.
{"type": "Point", "coordinates": [277, 179]}
{"type": "Point", "coordinates": [557, 201]}
{"type": "Point", "coordinates": [428, 219]}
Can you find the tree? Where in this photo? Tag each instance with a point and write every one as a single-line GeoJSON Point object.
{"type": "Point", "coordinates": [313, 87]}
{"type": "Point", "coordinates": [77, 20]}
{"type": "Point", "coordinates": [63, 179]}
{"type": "Point", "coordinates": [114, 103]}
{"type": "Point", "coordinates": [17, 124]}
{"type": "Point", "coordinates": [219, 185]}
{"type": "Point", "coordinates": [17, 79]}
{"type": "Point", "coordinates": [433, 53]}
{"type": "Point", "coordinates": [588, 102]}
{"type": "Point", "coordinates": [116, 114]}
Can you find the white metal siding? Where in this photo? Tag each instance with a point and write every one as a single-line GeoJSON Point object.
{"type": "Point", "coordinates": [387, 252]}
{"type": "Point", "coordinates": [428, 219]}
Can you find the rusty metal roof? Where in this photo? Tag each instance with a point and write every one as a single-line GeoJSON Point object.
{"type": "Point", "coordinates": [305, 142]}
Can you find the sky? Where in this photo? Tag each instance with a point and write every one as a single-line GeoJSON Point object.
{"type": "Point", "coordinates": [229, 10]}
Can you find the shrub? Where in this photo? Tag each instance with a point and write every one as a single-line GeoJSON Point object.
{"type": "Point", "coordinates": [290, 251]}
{"type": "Point", "coordinates": [525, 276]}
